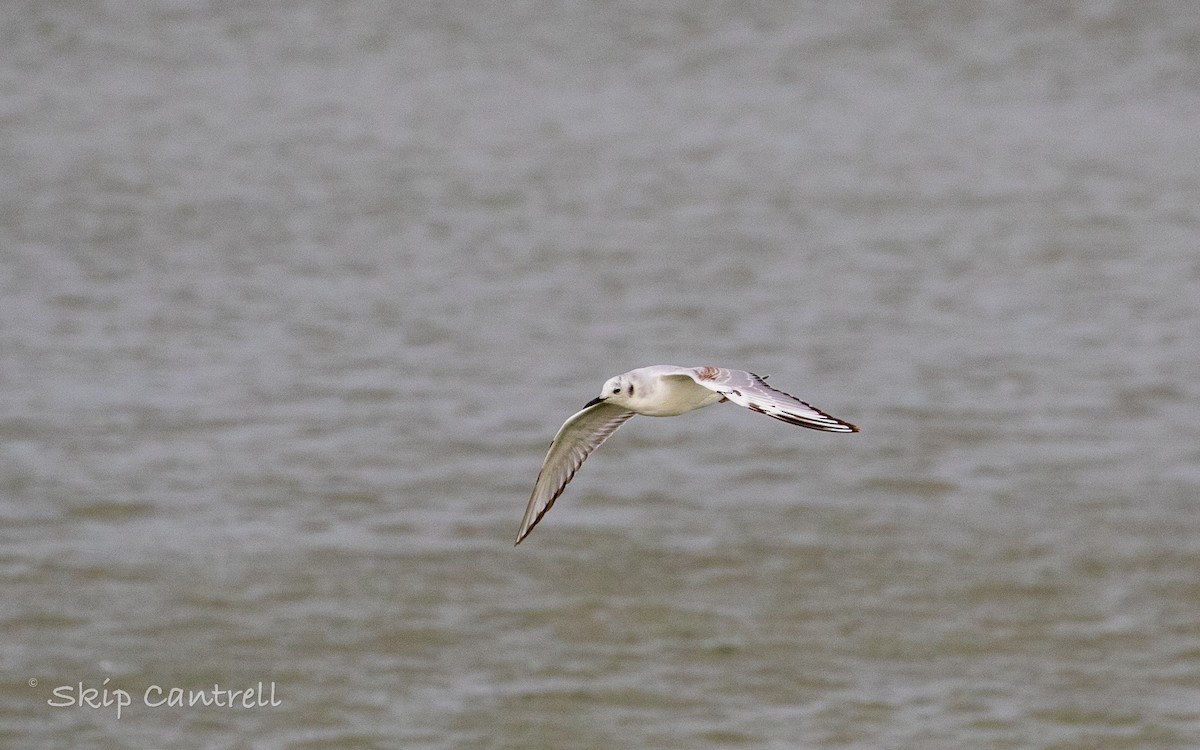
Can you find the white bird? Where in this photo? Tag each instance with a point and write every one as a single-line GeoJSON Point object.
{"type": "Point", "coordinates": [658, 391]}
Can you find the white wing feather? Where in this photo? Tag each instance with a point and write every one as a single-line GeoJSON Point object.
{"type": "Point", "coordinates": [576, 439]}
{"type": "Point", "coordinates": [751, 391]}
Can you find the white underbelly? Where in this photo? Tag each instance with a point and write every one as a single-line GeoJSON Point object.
{"type": "Point", "coordinates": [680, 398]}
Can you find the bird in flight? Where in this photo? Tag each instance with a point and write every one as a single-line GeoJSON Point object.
{"type": "Point", "coordinates": [658, 391]}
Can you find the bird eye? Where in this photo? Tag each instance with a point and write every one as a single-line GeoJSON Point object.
{"type": "Point", "coordinates": [617, 389]}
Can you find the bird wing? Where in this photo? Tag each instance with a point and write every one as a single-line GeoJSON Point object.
{"type": "Point", "coordinates": [751, 391]}
{"type": "Point", "coordinates": [576, 439]}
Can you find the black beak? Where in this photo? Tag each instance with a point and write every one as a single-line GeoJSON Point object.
{"type": "Point", "coordinates": [593, 402]}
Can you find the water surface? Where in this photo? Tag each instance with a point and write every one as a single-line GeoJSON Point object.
{"type": "Point", "coordinates": [292, 300]}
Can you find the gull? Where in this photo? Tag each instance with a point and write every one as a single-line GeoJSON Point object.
{"type": "Point", "coordinates": [658, 391]}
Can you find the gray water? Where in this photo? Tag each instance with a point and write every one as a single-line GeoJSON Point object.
{"type": "Point", "coordinates": [293, 297]}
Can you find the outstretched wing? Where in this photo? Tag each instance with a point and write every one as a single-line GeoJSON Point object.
{"type": "Point", "coordinates": [578, 437]}
{"type": "Point", "coordinates": [749, 390]}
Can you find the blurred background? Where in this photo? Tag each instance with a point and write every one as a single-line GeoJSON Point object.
{"type": "Point", "coordinates": [294, 296]}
